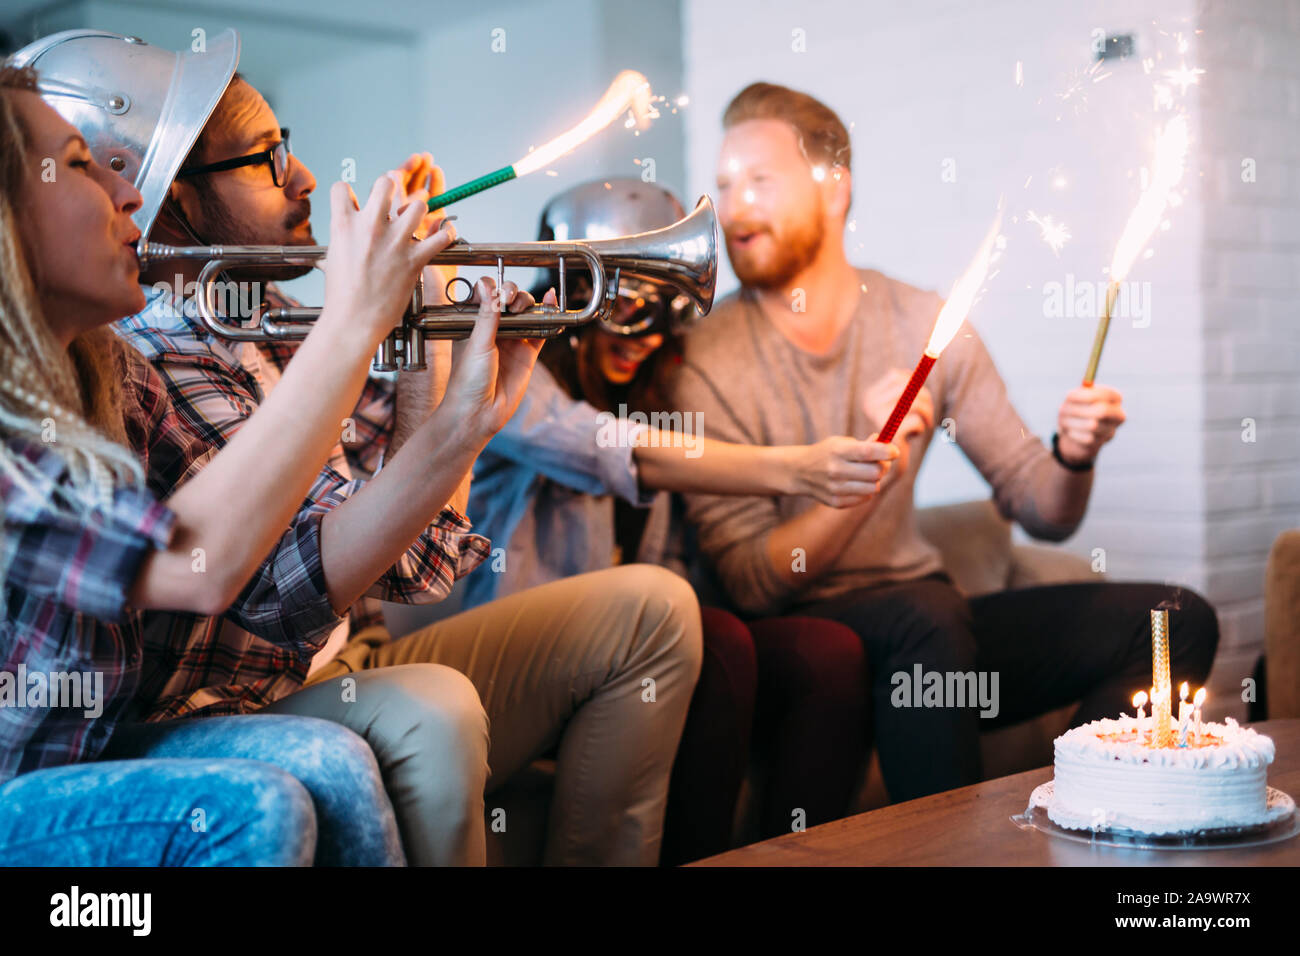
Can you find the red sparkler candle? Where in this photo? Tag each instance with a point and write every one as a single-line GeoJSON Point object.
{"type": "Point", "coordinates": [945, 327]}
{"type": "Point", "coordinates": [919, 375]}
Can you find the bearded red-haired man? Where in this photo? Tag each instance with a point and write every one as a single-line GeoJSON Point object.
{"type": "Point", "coordinates": [764, 372]}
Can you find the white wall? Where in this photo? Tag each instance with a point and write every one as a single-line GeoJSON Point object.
{"type": "Point", "coordinates": [1250, 268]}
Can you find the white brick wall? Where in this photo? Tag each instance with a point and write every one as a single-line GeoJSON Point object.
{"type": "Point", "coordinates": [1251, 278]}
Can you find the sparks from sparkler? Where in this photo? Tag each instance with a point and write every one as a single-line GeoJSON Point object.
{"type": "Point", "coordinates": [630, 93]}
{"type": "Point", "coordinates": [1157, 195]}
{"type": "Point", "coordinates": [1184, 76]}
{"type": "Point", "coordinates": [1075, 91]}
{"type": "Point", "coordinates": [966, 290]}
{"type": "Point", "coordinates": [1165, 175]}
{"type": "Point", "coordinates": [964, 294]}
{"type": "Point", "coordinates": [1055, 234]}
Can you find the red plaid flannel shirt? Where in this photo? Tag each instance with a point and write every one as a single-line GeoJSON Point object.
{"type": "Point", "coordinates": [195, 665]}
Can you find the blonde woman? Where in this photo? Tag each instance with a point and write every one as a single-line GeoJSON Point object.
{"type": "Point", "coordinates": [86, 546]}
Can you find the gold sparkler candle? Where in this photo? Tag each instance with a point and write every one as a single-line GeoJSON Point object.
{"type": "Point", "coordinates": [1162, 719]}
{"type": "Point", "coordinates": [1171, 157]}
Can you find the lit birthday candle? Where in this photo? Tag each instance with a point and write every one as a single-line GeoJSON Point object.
{"type": "Point", "coordinates": [1197, 702]}
{"type": "Point", "coordinates": [1139, 702]}
{"type": "Point", "coordinates": [1184, 705]}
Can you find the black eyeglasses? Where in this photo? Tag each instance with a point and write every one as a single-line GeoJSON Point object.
{"type": "Point", "coordinates": [277, 157]}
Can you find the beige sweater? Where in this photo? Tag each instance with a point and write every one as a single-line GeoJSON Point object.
{"type": "Point", "coordinates": [753, 386]}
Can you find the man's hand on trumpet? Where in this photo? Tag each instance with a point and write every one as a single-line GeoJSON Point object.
{"type": "Point", "coordinates": [417, 179]}
{"type": "Point", "coordinates": [488, 374]}
{"type": "Point", "coordinates": [418, 393]}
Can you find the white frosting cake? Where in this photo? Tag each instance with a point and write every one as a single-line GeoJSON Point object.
{"type": "Point", "coordinates": [1106, 778]}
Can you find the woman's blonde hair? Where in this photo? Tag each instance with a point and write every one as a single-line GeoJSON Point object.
{"type": "Point", "coordinates": [69, 399]}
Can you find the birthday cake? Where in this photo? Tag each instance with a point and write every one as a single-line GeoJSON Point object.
{"type": "Point", "coordinates": [1109, 776]}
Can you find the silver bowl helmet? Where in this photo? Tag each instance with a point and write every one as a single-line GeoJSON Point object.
{"type": "Point", "coordinates": [140, 107]}
{"type": "Point", "coordinates": [608, 208]}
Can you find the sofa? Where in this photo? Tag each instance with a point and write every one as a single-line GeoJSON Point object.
{"type": "Point", "coordinates": [1282, 628]}
{"type": "Point", "coordinates": [979, 555]}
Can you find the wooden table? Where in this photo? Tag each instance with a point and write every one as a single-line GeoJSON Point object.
{"type": "Point", "coordinates": [972, 827]}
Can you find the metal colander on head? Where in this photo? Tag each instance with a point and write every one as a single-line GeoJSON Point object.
{"type": "Point", "coordinates": [140, 107]}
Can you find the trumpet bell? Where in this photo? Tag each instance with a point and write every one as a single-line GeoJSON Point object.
{"type": "Point", "coordinates": [683, 255]}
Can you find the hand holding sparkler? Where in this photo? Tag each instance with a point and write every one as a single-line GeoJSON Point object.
{"type": "Point", "coordinates": [879, 402]}
{"type": "Point", "coordinates": [1089, 417]}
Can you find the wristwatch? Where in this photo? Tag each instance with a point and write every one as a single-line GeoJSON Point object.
{"type": "Point", "coordinates": [1056, 453]}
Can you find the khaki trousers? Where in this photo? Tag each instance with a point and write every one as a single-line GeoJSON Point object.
{"type": "Point", "coordinates": [604, 664]}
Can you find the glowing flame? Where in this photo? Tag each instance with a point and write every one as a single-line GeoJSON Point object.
{"type": "Point", "coordinates": [1170, 161]}
{"type": "Point", "coordinates": [964, 291]}
{"type": "Point", "coordinates": [1055, 234]}
{"type": "Point", "coordinates": [1140, 699]}
{"type": "Point", "coordinates": [629, 91]}
{"type": "Point", "coordinates": [1199, 699]}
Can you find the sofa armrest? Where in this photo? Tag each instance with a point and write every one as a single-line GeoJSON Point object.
{"type": "Point", "coordinates": [1282, 626]}
{"type": "Point", "coordinates": [974, 542]}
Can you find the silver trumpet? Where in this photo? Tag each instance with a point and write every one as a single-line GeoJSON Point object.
{"type": "Point", "coordinates": [683, 255]}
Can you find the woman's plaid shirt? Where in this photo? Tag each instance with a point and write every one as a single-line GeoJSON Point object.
{"type": "Point", "coordinates": [64, 577]}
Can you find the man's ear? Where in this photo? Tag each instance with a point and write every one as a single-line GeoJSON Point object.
{"type": "Point", "coordinates": [840, 181]}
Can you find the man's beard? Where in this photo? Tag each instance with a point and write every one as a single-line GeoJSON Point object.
{"type": "Point", "coordinates": [222, 227]}
{"type": "Point", "coordinates": [795, 249]}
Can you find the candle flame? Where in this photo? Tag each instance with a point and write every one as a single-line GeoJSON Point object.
{"type": "Point", "coordinates": [1170, 161]}
{"type": "Point", "coordinates": [964, 291]}
{"type": "Point", "coordinates": [1140, 699]}
{"type": "Point", "coordinates": [1199, 699]}
{"type": "Point", "coordinates": [1183, 690]}
{"type": "Point", "coordinates": [629, 91]}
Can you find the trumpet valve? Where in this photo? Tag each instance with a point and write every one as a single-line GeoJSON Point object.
{"type": "Point", "coordinates": [413, 357]}
{"type": "Point", "coordinates": [386, 355]}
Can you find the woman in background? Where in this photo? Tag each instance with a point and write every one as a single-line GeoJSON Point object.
{"type": "Point", "coordinates": [574, 483]}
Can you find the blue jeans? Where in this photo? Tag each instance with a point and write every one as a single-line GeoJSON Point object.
{"type": "Point", "coordinates": [354, 819]}
{"type": "Point", "coordinates": [157, 813]}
